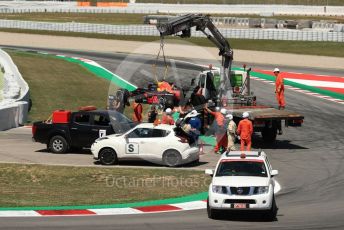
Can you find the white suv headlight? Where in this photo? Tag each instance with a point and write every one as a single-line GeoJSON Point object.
{"type": "Point", "coordinates": [219, 189]}
{"type": "Point", "coordinates": [263, 189]}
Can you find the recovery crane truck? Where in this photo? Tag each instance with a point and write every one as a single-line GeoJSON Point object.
{"type": "Point", "coordinates": [233, 90]}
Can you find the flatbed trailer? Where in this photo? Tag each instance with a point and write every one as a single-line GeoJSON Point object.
{"type": "Point", "coordinates": [267, 120]}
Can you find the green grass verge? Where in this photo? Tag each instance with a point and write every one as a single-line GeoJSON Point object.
{"type": "Point", "coordinates": [38, 185]}
{"type": "Point", "coordinates": [332, 49]}
{"type": "Point", "coordinates": [103, 18]}
{"type": "Point", "coordinates": [284, 2]}
{"type": "Point", "coordinates": [64, 83]}
{"type": "Point", "coordinates": [57, 84]}
{"type": "Point", "coordinates": [287, 2]}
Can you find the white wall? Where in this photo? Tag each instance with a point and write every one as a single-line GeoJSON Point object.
{"type": "Point", "coordinates": [150, 30]}
{"type": "Point", "coordinates": [15, 103]}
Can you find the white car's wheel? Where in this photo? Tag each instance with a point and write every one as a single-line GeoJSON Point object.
{"type": "Point", "coordinates": [172, 158]}
{"type": "Point", "coordinates": [272, 213]}
{"type": "Point", "coordinates": [58, 144]}
{"type": "Point", "coordinates": [107, 156]}
{"type": "Point", "coordinates": [212, 214]}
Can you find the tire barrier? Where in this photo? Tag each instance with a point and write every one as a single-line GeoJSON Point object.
{"type": "Point", "coordinates": [15, 103]}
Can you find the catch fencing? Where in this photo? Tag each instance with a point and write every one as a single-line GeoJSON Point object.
{"type": "Point", "coordinates": [150, 30]}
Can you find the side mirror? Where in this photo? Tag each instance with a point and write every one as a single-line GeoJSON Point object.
{"type": "Point", "coordinates": [274, 173]}
{"type": "Point", "coordinates": [209, 172]}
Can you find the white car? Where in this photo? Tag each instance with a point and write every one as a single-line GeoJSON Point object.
{"type": "Point", "coordinates": [158, 144]}
{"type": "Point", "coordinates": [242, 181]}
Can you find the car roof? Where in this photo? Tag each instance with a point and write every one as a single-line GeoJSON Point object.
{"type": "Point", "coordinates": [151, 126]}
{"type": "Point", "coordinates": [249, 155]}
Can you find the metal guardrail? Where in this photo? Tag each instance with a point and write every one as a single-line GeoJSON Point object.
{"type": "Point", "coordinates": [149, 30]}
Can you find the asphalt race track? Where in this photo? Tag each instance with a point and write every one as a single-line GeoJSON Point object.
{"type": "Point", "coordinates": [309, 159]}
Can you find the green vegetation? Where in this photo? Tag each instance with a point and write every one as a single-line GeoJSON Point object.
{"type": "Point", "coordinates": [57, 84]}
{"type": "Point", "coordinates": [120, 19]}
{"type": "Point", "coordinates": [288, 2]}
{"type": "Point", "coordinates": [36, 185]}
{"type": "Point", "coordinates": [333, 49]}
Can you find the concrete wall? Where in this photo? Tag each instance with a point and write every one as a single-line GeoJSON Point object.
{"type": "Point", "coordinates": [15, 104]}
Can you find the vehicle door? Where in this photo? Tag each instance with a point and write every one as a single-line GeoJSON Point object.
{"type": "Point", "coordinates": [156, 144]}
{"type": "Point", "coordinates": [269, 168]}
{"type": "Point", "coordinates": [80, 130]}
{"type": "Point", "coordinates": [146, 142]}
{"type": "Point", "coordinates": [135, 141]}
{"type": "Point", "coordinates": [100, 126]}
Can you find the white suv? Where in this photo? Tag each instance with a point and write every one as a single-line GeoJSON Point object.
{"type": "Point", "coordinates": [242, 181]}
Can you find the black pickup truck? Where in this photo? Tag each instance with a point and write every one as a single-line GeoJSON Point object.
{"type": "Point", "coordinates": [83, 128]}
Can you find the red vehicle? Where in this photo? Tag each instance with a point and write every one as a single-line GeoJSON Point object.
{"type": "Point", "coordinates": [163, 94]}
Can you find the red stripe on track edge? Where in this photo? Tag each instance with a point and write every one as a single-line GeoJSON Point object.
{"type": "Point", "coordinates": [304, 76]}
{"type": "Point", "coordinates": [64, 212]}
{"type": "Point", "coordinates": [159, 208]}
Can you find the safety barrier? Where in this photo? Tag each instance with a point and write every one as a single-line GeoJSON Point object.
{"type": "Point", "coordinates": [231, 21]}
{"type": "Point", "coordinates": [112, 4]}
{"type": "Point", "coordinates": [149, 30]}
{"type": "Point", "coordinates": [323, 25]}
{"type": "Point", "coordinates": [84, 3]}
{"type": "Point", "coordinates": [153, 8]}
{"type": "Point", "coordinates": [15, 104]}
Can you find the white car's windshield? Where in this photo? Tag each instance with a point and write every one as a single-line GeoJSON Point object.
{"type": "Point", "coordinates": [241, 168]}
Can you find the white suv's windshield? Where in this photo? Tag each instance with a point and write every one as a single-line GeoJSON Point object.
{"type": "Point", "coordinates": [241, 168]}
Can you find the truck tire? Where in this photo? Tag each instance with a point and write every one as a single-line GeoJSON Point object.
{"type": "Point", "coordinates": [58, 144]}
{"type": "Point", "coordinates": [108, 156]}
{"type": "Point", "coordinates": [171, 158]}
{"type": "Point", "coordinates": [212, 213]}
{"type": "Point", "coordinates": [269, 134]}
{"type": "Point", "coordinates": [272, 213]}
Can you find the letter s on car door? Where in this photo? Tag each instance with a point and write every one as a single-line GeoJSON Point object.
{"type": "Point", "coordinates": [132, 148]}
{"type": "Point", "coordinates": [136, 141]}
